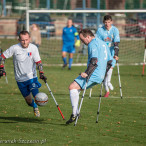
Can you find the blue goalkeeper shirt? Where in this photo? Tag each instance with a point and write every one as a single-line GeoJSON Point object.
{"type": "Point", "coordinates": [98, 49]}
{"type": "Point", "coordinates": [109, 36]}
{"type": "Point", "coordinates": [69, 34]}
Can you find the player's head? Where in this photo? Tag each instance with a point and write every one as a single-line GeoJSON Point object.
{"type": "Point", "coordinates": [69, 22]}
{"type": "Point", "coordinates": [86, 36]}
{"type": "Point", "coordinates": [24, 38]}
{"type": "Point", "coordinates": [107, 20]}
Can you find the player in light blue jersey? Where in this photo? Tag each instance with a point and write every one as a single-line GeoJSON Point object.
{"type": "Point", "coordinates": [110, 34]}
{"type": "Point", "coordinates": [98, 57]}
{"type": "Point", "coordinates": [68, 36]}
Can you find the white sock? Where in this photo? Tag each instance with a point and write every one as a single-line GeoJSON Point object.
{"type": "Point", "coordinates": [105, 84]}
{"type": "Point", "coordinates": [109, 75]}
{"type": "Point", "coordinates": [74, 97]}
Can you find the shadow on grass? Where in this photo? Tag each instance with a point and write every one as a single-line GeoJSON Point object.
{"type": "Point", "coordinates": [28, 120]}
{"type": "Point", "coordinates": [21, 119]}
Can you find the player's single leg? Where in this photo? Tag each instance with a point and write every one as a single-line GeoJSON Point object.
{"type": "Point", "coordinates": [33, 87]}
{"type": "Point", "coordinates": [107, 82]}
{"type": "Point", "coordinates": [64, 59]}
{"type": "Point", "coordinates": [74, 90]}
{"type": "Point", "coordinates": [24, 88]}
{"type": "Point", "coordinates": [30, 101]}
{"type": "Point", "coordinates": [109, 75]}
{"type": "Point", "coordinates": [106, 87]}
{"type": "Point", "coordinates": [70, 60]}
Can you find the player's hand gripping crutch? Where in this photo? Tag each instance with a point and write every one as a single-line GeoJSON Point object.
{"type": "Point", "coordinates": [45, 80]}
{"type": "Point", "coordinates": [81, 100]}
{"type": "Point", "coordinates": [119, 80]}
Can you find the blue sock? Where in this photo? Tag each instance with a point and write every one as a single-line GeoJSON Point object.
{"type": "Point", "coordinates": [64, 60]}
{"type": "Point", "coordinates": [34, 92]}
{"type": "Point", "coordinates": [70, 62]}
{"type": "Point", "coordinates": [33, 104]}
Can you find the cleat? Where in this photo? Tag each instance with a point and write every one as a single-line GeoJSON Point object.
{"type": "Point", "coordinates": [69, 68]}
{"type": "Point", "coordinates": [64, 65]}
{"type": "Point", "coordinates": [72, 119]}
{"type": "Point", "coordinates": [36, 112]}
{"type": "Point", "coordinates": [107, 94]}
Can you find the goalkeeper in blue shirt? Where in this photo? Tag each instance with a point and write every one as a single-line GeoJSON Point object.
{"type": "Point", "coordinates": [68, 36]}
{"type": "Point", "coordinates": [110, 34]}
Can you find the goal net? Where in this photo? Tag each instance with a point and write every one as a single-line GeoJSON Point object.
{"type": "Point", "coordinates": [131, 25]}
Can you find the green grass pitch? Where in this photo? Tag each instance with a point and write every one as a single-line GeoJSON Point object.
{"type": "Point", "coordinates": [121, 121]}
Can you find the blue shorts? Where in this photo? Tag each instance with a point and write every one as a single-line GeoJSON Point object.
{"type": "Point", "coordinates": [29, 86]}
{"type": "Point", "coordinates": [82, 81]}
{"type": "Point", "coordinates": [68, 48]}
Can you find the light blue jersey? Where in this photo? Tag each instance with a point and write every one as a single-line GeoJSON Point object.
{"type": "Point", "coordinates": [96, 49]}
{"type": "Point", "coordinates": [109, 36]}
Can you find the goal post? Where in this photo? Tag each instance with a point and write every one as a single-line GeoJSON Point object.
{"type": "Point", "coordinates": [132, 33]}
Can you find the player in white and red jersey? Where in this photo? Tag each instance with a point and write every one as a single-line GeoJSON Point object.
{"type": "Point", "coordinates": [25, 59]}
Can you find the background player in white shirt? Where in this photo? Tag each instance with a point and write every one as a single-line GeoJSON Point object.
{"type": "Point", "coordinates": [25, 58]}
{"type": "Point", "coordinates": [109, 34]}
{"type": "Point", "coordinates": [98, 57]}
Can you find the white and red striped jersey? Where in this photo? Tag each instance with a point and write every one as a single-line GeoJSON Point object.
{"type": "Point", "coordinates": [24, 60]}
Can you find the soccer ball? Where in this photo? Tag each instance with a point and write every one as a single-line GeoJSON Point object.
{"type": "Point", "coordinates": [41, 99]}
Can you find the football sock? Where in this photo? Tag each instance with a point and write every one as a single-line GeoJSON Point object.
{"type": "Point", "coordinates": [109, 75]}
{"type": "Point", "coordinates": [33, 104]}
{"type": "Point", "coordinates": [35, 91]}
{"type": "Point", "coordinates": [74, 97]}
{"type": "Point", "coordinates": [105, 84]}
{"type": "Point", "coordinates": [70, 62]}
{"type": "Point", "coordinates": [64, 60]}
{"type": "Point", "coordinates": [107, 81]}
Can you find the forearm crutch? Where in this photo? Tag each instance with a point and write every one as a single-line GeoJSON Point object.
{"type": "Point", "coordinates": [53, 98]}
{"type": "Point", "coordinates": [99, 102]}
{"type": "Point", "coordinates": [119, 80]}
{"type": "Point", "coordinates": [81, 101]}
{"type": "Point", "coordinates": [90, 93]}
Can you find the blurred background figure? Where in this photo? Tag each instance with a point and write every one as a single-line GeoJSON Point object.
{"type": "Point", "coordinates": [35, 35]}
{"type": "Point", "coordinates": [68, 36]}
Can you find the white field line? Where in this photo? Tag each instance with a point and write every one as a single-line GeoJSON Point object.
{"type": "Point", "coordinates": [85, 64]}
{"type": "Point", "coordinates": [86, 97]}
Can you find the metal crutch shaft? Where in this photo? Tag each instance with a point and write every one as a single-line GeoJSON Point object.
{"type": "Point", "coordinates": [54, 99]}
{"type": "Point", "coordinates": [119, 80]}
{"type": "Point", "coordinates": [81, 103]}
{"type": "Point", "coordinates": [99, 102]}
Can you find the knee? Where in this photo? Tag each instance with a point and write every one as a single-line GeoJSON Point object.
{"type": "Point", "coordinates": [70, 86]}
